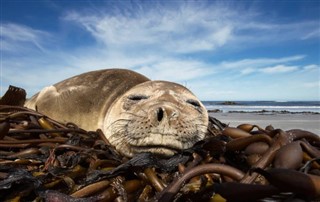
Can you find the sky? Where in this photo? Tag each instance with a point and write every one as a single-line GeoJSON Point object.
{"type": "Point", "coordinates": [220, 50]}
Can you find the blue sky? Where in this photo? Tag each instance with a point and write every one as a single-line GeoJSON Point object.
{"type": "Point", "coordinates": [221, 50]}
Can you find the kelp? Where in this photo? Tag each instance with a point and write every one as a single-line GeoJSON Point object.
{"type": "Point", "coordinates": [44, 160]}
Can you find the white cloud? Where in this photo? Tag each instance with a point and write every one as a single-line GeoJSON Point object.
{"type": "Point", "coordinates": [312, 34]}
{"type": "Point", "coordinates": [262, 65]}
{"type": "Point", "coordinates": [176, 70]}
{"type": "Point", "coordinates": [274, 31]}
{"type": "Point", "coordinates": [34, 74]}
{"type": "Point", "coordinates": [311, 67]}
{"type": "Point", "coordinates": [279, 69]}
{"type": "Point", "coordinates": [259, 62]}
{"type": "Point", "coordinates": [190, 27]}
{"type": "Point", "coordinates": [55, 67]}
{"type": "Point", "coordinates": [7, 46]}
{"type": "Point", "coordinates": [16, 37]}
{"type": "Point", "coordinates": [315, 84]}
{"type": "Point", "coordinates": [248, 70]}
{"type": "Point", "coordinates": [162, 42]}
{"type": "Point", "coordinates": [187, 28]}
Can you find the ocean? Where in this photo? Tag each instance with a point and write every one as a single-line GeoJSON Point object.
{"type": "Point", "coordinates": [266, 106]}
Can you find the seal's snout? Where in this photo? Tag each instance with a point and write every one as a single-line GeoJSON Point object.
{"type": "Point", "coordinates": [160, 114]}
{"type": "Point", "coordinates": [164, 114]}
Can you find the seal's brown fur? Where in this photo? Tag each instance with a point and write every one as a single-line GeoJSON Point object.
{"type": "Point", "coordinates": [136, 114]}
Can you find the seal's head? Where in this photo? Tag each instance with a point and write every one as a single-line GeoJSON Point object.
{"type": "Point", "coordinates": [156, 116]}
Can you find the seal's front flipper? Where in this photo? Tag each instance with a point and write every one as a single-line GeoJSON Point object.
{"type": "Point", "coordinates": [14, 96]}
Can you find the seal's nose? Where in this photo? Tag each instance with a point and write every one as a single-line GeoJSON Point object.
{"type": "Point", "coordinates": [160, 114]}
{"type": "Point", "coordinates": [165, 113]}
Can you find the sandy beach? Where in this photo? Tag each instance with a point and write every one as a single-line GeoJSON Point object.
{"type": "Point", "coordinates": [309, 122]}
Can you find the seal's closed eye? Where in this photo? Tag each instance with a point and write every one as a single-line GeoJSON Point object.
{"type": "Point", "coordinates": [195, 103]}
{"type": "Point", "coordinates": [137, 97]}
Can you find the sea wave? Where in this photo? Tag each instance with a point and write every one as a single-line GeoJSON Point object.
{"type": "Point", "coordinates": [247, 108]}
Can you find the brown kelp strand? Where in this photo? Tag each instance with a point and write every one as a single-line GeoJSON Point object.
{"type": "Point", "coordinates": [292, 161]}
{"type": "Point", "coordinates": [221, 169]}
{"type": "Point", "coordinates": [248, 127]}
{"type": "Point", "coordinates": [292, 180]}
{"type": "Point", "coordinates": [4, 129]}
{"type": "Point", "coordinates": [308, 148]}
{"type": "Point", "coordinates": [91, 189]}
{"type": "Point", "coordinates": [299, 134]}
{"type": "Point", "coordinates": [154, 180]}
{"type": "Point", "coordinates": [238, 192]}
{"type": "Point", "coordinates": [235, 132]}
{"type": "Point", "coordinates": [281, 139]}
{"type": "Point", "coordinates": [256, 148]}
{"type": "Point", "coordinates": [241, 143]}
{"type": "Point", "coordinates": [44, 160]}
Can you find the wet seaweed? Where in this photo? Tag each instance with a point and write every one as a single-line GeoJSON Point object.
{"type": "Point", "coordinates": [44, 160]}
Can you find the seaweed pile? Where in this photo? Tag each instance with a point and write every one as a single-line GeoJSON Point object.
{"type": "Point", "coordinates": [44, 160]}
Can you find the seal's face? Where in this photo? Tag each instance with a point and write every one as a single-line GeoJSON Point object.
{"type": "Point", "coordinates": [156, 116]}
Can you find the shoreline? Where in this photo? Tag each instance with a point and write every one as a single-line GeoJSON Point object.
{"type": "Point", "coordinates": [284, 121]}
{"type": "Point", "coordinates": [262, 111]}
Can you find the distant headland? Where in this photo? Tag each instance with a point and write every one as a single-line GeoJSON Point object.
{"type": "Point", "coordinates": [229, 103]}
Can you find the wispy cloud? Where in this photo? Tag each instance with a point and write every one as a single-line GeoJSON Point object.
{"type": "Point", "coordinates": [311, 67]}
{"type": "Point", "coordinates": [265, 65]}
{"type": "Point", "coordinates": [182, 29]}
{"type": "Point", "coordinates": [16, 37]}
{"type": "Point", "coordinates": [248, 70]}
{"type": "Point", "coordinates": [187, 27]}
{"type": "Point", "coordinates": [259, 62]}
{"type": "Point", "coordinates": [279, 69]}
{"type": "Point", "coordinates": [273, 32]}
{"type": "Point", "coordinates": [312, 34]}
{"type": "Point", "coordinates": [164, 41]}
{"type": "Point", "coordinates": [176, 70]}
{"type": "Point", "coordinates": [315, 84]}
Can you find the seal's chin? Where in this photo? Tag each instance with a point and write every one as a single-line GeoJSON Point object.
{"type": "Point", "coordinates": [135, 135]}
{"type": "Point", "coordinates": [159, 144]}
{"type": "Point", "coordinates": [155, 149]}
{"type": "Point", "coordinates": [162, 144]}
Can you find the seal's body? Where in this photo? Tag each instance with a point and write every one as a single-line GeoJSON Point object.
{"type": "Point", "coordinates": [136, 114]}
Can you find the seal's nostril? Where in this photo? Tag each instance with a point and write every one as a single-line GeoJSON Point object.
{"type": "Point", "coordinates": [160, 114]}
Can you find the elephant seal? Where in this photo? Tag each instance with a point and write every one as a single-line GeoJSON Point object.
{"type": "Point", "coordinates": [136, 114]}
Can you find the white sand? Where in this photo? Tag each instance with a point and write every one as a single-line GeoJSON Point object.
{"type": "Point", "coordinates": [309, 122]}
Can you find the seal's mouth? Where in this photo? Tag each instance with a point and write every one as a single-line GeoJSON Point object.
{"type": "Point", "coordinates": [163, 150]}
{"type": "Point", "coordinates": [158, 147]}
{"type": "Point", "coordinates": [166, 143]}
